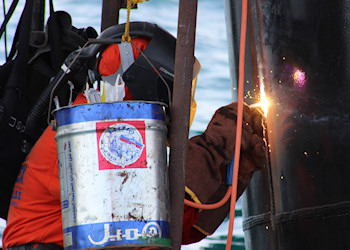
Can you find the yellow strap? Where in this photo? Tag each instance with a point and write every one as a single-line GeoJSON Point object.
{"type": "Point", "coordinates": [193, 195]}
{"type": "Point", "coordinates": [126, 37]}
{"type": "Point", "coordinates": [201, 230]}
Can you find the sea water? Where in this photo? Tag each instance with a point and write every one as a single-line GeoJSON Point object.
{"type": "Point", "coordinates": [214, 88]}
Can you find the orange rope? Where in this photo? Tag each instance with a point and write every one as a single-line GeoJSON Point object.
{"type": "Point", "coordinates": [211, 206]}
{"type": "Point", "coordinates": [239, 121]}
{"type": "Point", "coordinates": [126, 37]}
{"type": "Point", "coordinates": [130, 3]}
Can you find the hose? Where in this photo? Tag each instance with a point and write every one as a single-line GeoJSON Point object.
{"type": "Point", "coordinates": [232, 190]}
{"type": "Point", "coordinates": [239, 120]}
{"type": "Point", "coordinates": [33, 119]}
{"type": "Point", "coordinates": [44, 100]}
{"type": "Point", "coordinates": [211, 206]}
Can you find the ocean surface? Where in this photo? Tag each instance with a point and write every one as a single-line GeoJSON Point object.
{"type": "Point", "coordinates": [213, 86]}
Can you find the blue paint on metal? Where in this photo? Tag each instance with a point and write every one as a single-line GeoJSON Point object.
{"type": "Point", "coordinates": [121, 233]}
{"type": "Point", "coordinates": [109, 111]}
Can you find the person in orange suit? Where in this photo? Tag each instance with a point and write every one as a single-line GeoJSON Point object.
{"type": "Point", "coordinates": [34, 219]}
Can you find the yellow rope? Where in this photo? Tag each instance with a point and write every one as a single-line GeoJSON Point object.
{"type": "Point", "coordinates": [126, 37]}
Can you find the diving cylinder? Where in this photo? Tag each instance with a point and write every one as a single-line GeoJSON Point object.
{"type": "Point", "coordinates": [113, 175]}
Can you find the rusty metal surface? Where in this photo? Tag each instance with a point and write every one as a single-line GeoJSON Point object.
{"type": "Point", "coordinates": [180, 113]}
{"type": "Point", "coordinates": [110, 13]}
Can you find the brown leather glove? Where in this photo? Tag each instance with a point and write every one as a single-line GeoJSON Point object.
{"type": "Point", "coordinates": [210, 153]}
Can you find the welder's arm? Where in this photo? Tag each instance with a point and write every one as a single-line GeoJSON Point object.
{"type": "Point", "coordinates": [210, 153]}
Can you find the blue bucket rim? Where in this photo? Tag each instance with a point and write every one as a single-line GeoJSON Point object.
{"type": "Point", "coordinates": [129, 101]}
{"type": "Point", "coordinates": [107, 111]}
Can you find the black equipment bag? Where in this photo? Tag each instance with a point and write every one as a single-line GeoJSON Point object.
{"type": "Point", "coordinates": [26, 73]}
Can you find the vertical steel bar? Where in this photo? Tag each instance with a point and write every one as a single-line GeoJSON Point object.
{"type": "Point", "coordinates": [184, 59]}
{"type": "Point", "coordinates": [110, 13]}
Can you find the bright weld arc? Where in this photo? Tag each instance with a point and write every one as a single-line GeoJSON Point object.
{"type": "Point", "coordinates": [264, 102]}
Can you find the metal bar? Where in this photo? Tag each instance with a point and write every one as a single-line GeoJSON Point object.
{"type": "Point", "coordinates": [110, 13]}
{"type": "Point", "coordinates": [184, 59]}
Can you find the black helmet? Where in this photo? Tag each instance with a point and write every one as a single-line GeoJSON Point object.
{"type": "Point", "coordinates": [151, 75]}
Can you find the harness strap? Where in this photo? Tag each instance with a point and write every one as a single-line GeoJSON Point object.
{"type": "Point", "coordinates": [126, 55]}
{"type": "Point", "coordinates": [126, 58]}
{"type": "Point", "coordinates": [8, 16]}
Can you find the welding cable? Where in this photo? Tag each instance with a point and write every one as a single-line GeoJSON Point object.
{"type": "Point", "coordinates": [239, 121]}
{"type": "Point", "coordinates": [228, 182]}
{"type": "Point", "coordinates": [232, 190]}
{"type": "Point", "coordinates": [211, 206]}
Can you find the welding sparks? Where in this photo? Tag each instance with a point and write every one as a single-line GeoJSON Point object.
{"type": "Point", "coordinates": [264, 103]}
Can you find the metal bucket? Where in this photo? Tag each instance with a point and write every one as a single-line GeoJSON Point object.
{"type": "Point", "coordinates": [113, 175]}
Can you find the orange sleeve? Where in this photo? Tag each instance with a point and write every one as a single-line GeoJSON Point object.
{"type": "Point", "coordinates": [35, 209]}
{"type": "Point", "coordinates": [189, 233]}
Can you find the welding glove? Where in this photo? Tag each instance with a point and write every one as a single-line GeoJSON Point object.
{"type": "Point", "coordinates": [210, 153]}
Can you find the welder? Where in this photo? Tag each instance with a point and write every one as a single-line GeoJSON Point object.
{"type": "Point", "coordinates": [34, 219]}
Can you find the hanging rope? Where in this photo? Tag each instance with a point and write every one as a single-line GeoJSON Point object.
{"type": "Point", "coordinates": [131, 3]}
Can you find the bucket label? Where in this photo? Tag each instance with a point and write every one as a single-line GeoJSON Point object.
{"type": "Point", "coordinates": [121, 233]}
{"type": "Point", "coordinates": [121, 144]}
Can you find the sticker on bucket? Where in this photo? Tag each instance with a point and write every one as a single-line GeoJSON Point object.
{"type": "Point", "coordinates": [121, 233]}
{"type": "Point", "coordinates": [121, 144]}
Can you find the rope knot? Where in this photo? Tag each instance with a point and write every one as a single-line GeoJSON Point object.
{"type": "Point", "coordinates": [126, 37]}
